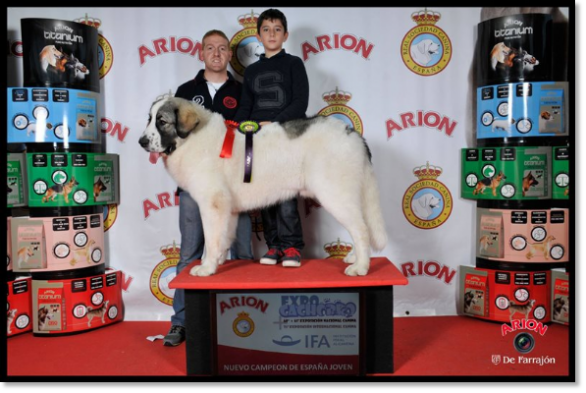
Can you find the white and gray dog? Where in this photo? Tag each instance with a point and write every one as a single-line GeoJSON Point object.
{"type": "Point", "coordinates": [318, 157]}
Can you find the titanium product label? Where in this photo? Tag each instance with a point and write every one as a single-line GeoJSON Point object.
{"type": "Point", "coordinates": [474, 298]}
{"type": "Point", "coordinates": [515, 173]}
{"type": "Point", "coordinates": [44, 114]}
{"type": "Point", "coordinates": [560, 295]}
{"type": "Point", "coordinates": [528, 109]}
{"type": "Point", "coordinates": [60, 53]}
{"type": "Point", "coordinates": [73, 179]}
{"type": "Point", "coordinates": [515, 48]}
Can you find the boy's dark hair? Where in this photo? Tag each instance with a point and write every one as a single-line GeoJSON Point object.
{"type": "Point", "coordinates": [271, 14]}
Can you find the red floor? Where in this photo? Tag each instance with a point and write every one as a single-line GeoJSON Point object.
{"type": "Point", "coordinates": [424, 346]}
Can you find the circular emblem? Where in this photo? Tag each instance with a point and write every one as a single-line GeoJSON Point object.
{"type": "Point", "coordinates": [97, 298]}
{"type": "Point", "coordinates": [230, 102]}
{"type": "Point", "coordinates": [518, 243]}
{"type": "Point", "coordinates": [539, 312]}
{"type": "Point", "coordinates": [538, 234]}
{"type": "Point", "coordinates": [337, 108]}
{"type": "Point", "coordinates": [243, 325]}
{"type": "Point", "coordinates": [248, 126]}
{"type": "Point", "coordinates": [20, 122]}
{"type": "Point", "coordinates": [503, 108]}
{"type": "Point", "coordinates": [562, 180]}
{"type": "Point", "coordinates": [113, 312]}
{"type": "Point", "coordinates": [96, 255]}
{"type": "Point", "coordinates": [61, 250]}
{"type": "Point", "coordinates": [79, 311]}
{"type": "Point", "coordinates": [80, 239]}
{"type": "Point", "coordinates": [508, 190]}
{"type": "Point", "coordinates": [105, 56]}
{"type": "Point", "coordinates": [557, 252]}
{"type": "Point", "coordinates": [426, 49]}
{"type": "Point", "coordinates": [80, 197]}
{"type": "Point", "coordinates": [427, 204]}
{"type": "Point", "coordinates": [40, 112]}
{"type": "Point", "coordinates": [22, 321]}
{"type": "Point", "coordinates": [524, 126]}
{"type": "Point", "coordinates": [501, 302]}
{"type": "Point", "coordinates": [110, 214]}
{"type": "Point", "coordinates": [245, 46]}
{"type": "Point", "coordinates": [61, 131]}
{"type": "Point", "coordinates": [487, 118]}
{"type": "Point", "coordinates": [59, 177]}
{"type": "Point", "coordinates": [163, 273]}
{"type": "Point", "coordinates": [521, 294]}
{"type": "Point", "coordinates": [40, 187]}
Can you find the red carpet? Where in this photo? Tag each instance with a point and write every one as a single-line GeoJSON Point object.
{"type": "Point", "coordinates": [424, 346]}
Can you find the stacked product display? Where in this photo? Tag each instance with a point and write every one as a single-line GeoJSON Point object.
{"type": "Point", "coordinates": [519, 175]}
{"type": "Point", "coordinates": [58, 169]}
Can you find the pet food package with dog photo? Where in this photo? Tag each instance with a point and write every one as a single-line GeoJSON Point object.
{"type": "Point", "coordinates": [523, 235]}
{"type": "Point", "coordinates": [73, 179]}
{"type": "Point", "coordinates": [19, 312]}
{"type": "Point", "coordinates": [514, 294]}
{"type": "Point", "coordinates": [515, 48]}
{"type": "Point", "coordinates": [66, 243]}
{"type": "Point", "coordinates": [45, 114]}
{"type": "Point", "coordinates": [560, 297]}
{"type": "Point", "coordinates": [534, 110]}
{"type": "Point", "coordinates": [16, 180]}
{"type": "Point", "coordinates": [474, 292]}
{"type": "Point", "coordinates": [67, 306]}
{"type": "Point", "coordinates": [60, 53]}
{"type": "Point", "coordinates": [507, 173]}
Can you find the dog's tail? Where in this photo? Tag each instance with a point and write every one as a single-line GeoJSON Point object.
{"type": "Point", "coordinates": [372, 211]}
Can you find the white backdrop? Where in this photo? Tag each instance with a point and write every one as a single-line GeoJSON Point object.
{"type": "Point", "coordinates": [148, 52]}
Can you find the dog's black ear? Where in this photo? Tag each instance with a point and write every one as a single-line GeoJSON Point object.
{"type": "Point", "coordinates": [187, 119]}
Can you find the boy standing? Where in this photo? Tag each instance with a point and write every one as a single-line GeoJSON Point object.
{"type": "Point", "coordinates": [276, 89]}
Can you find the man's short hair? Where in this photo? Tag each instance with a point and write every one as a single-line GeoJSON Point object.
{"type": "Point", "coordinates": [271, 14]}
{"type": "Point", "coordinates": [214, 32]}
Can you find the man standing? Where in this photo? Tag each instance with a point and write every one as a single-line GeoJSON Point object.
{"type": "Point", "coordinates": [215, 89]}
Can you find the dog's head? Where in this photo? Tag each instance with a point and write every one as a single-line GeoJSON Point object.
{"type": "Point", "coordinates": [82, 122]}
{"type": "Point", "coordinates": [530, 180]}
{"type": "Point", "coordinates": [171, 120]}
{"type": "Point", "coordinates": [43, 314]}
{"type": "Point", "coordinates": [72, 183]}
{"type": "Point", "coordinates": [545, 115]}
{"type": "Point", "coordinates": [51, 54]}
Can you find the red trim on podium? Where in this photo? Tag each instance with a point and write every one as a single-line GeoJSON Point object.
{"type": "Point", "coordinates": [313, 273]}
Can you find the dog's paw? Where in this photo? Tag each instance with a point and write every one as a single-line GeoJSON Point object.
{"type": "Point", "coordinates": [202, 270]}
{"type": "Point", "coordinates": [356, 270]}
{"type": "Point", "coordinates": [351, 258]}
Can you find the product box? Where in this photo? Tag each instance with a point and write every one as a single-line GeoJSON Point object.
{"type": "Point", "coordinates": [507, 173]}
{"type": "Point", "coordinates": [58, 243]}
{"type": "Point", "coordinates": [44, 114]}
{"type": "Point", "coordinates": [68, 306]}
{"type": "Point", "coordinates": [19, 306]}
{"type": "Point", "coordinates": [16, 180]}
{"type": "Point", "coordinates": [73, 179]}
{"type": "Point", "coordinates": [523, 235]}
{"type": "Point", "coordinates": [511, 294]}
{"type": "Point", "coordinates": [520, 110]}
{"type": "Point", "coordinates": [560, 297]}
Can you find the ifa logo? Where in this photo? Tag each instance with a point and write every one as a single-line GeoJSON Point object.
{"type": "Point", "coordinates": [105, 52]}
{"type": "Point", "coordinates": [164, 272]}
{"type": "Point", "coordinates": [246, 48]}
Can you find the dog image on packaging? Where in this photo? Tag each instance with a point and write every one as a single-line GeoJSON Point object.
{"type": "Point", "coordinates": [305, 155]}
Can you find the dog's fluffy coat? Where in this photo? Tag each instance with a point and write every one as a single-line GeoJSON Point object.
{"type": "Point", "coordinates": [319, 157]}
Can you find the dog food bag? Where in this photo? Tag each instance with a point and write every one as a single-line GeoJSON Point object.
{"type": "Point", "coordinates": [60, 53]}
{"type": "Point", "coordinates": [515, 48]}
{"type": "Point", "coordinates": [474, 295]}
{"type": "Point", "coordinates": [560, 294]}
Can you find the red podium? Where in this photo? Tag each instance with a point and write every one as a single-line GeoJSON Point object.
{"type": "Point", "coordinates": [252, 319]}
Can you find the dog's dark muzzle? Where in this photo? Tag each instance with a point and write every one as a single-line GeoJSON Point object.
{"type": "Point", "coordinates": [143, 142]}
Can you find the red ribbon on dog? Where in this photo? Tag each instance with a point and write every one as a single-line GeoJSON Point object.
{"type": "Point", "coordinates": [228, 139]}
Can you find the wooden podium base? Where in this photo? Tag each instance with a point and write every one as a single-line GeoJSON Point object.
{"type": "Point", "coordinates": [375, 292]}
